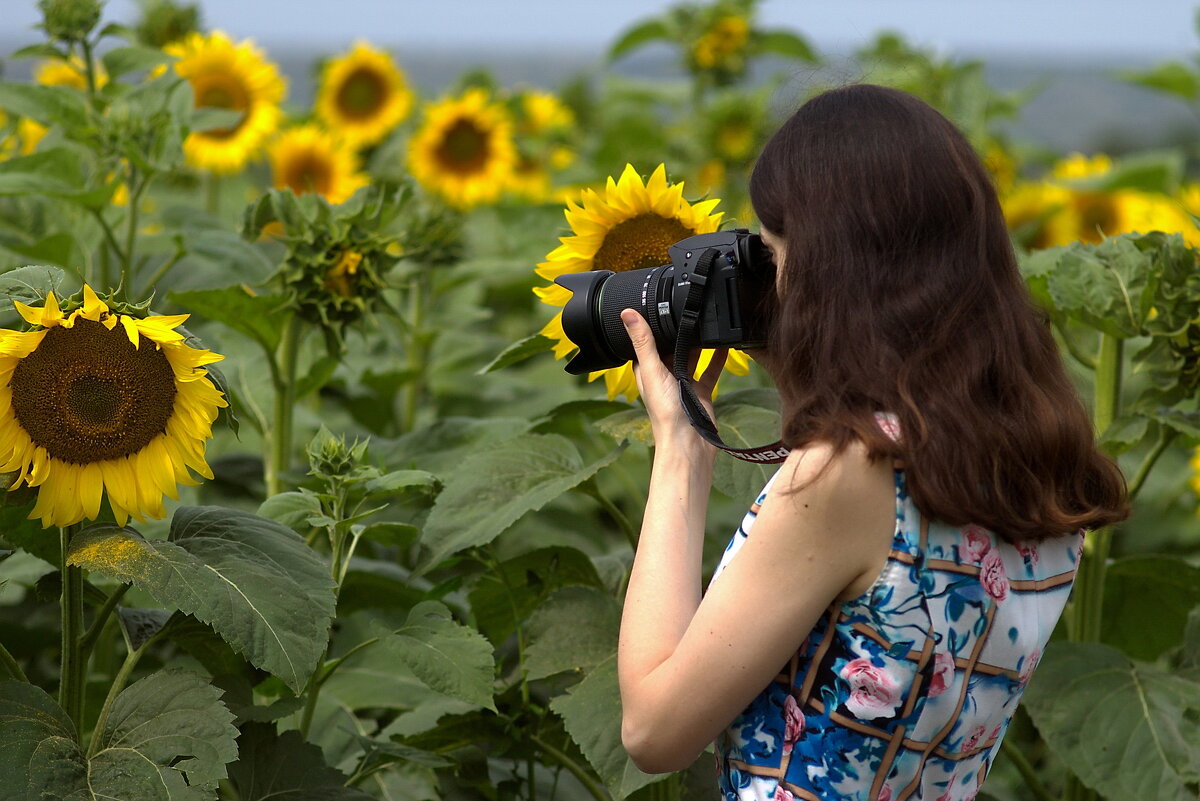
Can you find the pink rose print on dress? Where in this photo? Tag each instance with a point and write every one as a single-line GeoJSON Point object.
{"type": "Point", "coordinates": [794, 723]}
{"type": "Point", "coordinates": [993, 577]}
{"type": "Point", "coordinates": [889, 425]}
{"type": "Point", "coordinates": [943, 674]}
{"type": "Point", "coordinates": [1027, 668]}
{"type": "Point", "coordinates": [1029, 553]}
{"type": "Point", "coordinates": [885, 794]}
{"type": "Point", "coordinates": [873, 692]}
{"type": "Point", "coordinates": [972, 740]}
{"type": "Point", "coordinates": [782, 794]}
{"type": "Point", "coordinates": [976, 543]}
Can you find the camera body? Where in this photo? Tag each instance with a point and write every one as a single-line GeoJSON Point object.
{"type": "Point", "coordinates": [735, 305]}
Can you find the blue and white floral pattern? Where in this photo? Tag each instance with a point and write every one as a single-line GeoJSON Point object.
{"type": "Point", "coordinates": [906, 691]}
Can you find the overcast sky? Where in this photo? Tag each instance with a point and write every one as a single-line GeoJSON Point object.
{"type": "Point", "coordinates": [1117, 30]}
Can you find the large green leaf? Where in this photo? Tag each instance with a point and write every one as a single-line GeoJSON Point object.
{"type": "Point", "coordinates": [252, 579]}
{"type": "Point", "coordinates": [519, 351]}
{"type": "Point", "coordinates": [49, 105]}
{"type": "Point", "coordinates": [1171, 77]}
{"type": "Point", "coordinates": [283, 767]}
{"type": "Point", "coordinates": [1126, 729]}
{"type": "Point", "coordinates": [453, 659]}
{"type": "Point", "coordinates": [643, 33]}
{"type": "Point", "coordinates": [504, 597]}
{"type": "Point", "coordinates": [167, 738]}
{"type": "Point", "coordinates": [746, 418]}
{"type": "Point", "coordinates": [591, 712]}
{"type": "Point", "coordinates": [259, 317]}
{"type": "Point", "coordinates": [1146, 603]}
{"type": "Point", "coordinates": [574, 630]}
{"type": "Point", "coordinates": [493, 488]}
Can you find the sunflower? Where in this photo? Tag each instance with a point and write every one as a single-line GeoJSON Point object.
{"type": "Point", "coordinates": [229, 76]}
{"type": "Point", "coordinates": [363, 95]}
{"type": "Point", "coordinates": [71, 73]}
{"type": "Point", "coordinates": [629, 227]}
{"type": "Point", "coordinates": [93, 401]}
{"type": "Point", "coordinates": [1040, 215]}
{"type": "Point", "coordinates": [464, 149]}
{"type": "Point", "coordinates": [309, 159]}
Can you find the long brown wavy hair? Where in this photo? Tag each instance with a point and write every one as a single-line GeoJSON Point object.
{"type": "Point", "coordinates": [900, 293]}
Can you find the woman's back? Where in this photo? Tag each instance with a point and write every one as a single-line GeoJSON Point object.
{"type": "Point", "coordinates": [907, 690]}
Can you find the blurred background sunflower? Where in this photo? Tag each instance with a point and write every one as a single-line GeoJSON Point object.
{"type": "Point", "coordinates": [363, 95]}
{"type": "Point", "coordinates": [96, 403]}
{"type": "Point", "coordinates": [628, 227]}
{"type": "Point", "coordinates": [236, 77]}
{"type": "Point", "coordinates": [306, 158]}
{"type": "Point", "coordinates": [463, 150]}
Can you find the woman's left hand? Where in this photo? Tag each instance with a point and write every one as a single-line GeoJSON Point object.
{"type": "Point", "coordinates": [660, 389]}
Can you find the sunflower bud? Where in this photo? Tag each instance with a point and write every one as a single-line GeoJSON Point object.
{"type": "Point", "coordinates": [69, 20]}
{"type": "Point", "coordinates": [164, 22]}
{"type": "Point", "coordinates": [330, 456]}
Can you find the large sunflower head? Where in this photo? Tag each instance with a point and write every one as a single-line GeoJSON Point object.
{"type": "Point", "coordinates": [1040, 215]}
{"type": "Point", "coordinates": [628, 227]}
{"type": "Point", "coordinates": [96, 403]}
{"type": "Point", "coordinates": [308, 159]}
{"type": "Point", "coordinates": [363, 95]}
{"type": "Point", "coordinates": [464, 149]}
{"type": "Point", "coordinates": [236, 77]}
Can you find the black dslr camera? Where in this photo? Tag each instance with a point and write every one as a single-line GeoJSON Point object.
{"type": "Point", "coordinates": [735, 298]}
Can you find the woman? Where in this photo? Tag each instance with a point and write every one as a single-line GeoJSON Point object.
{"type": "Point", "coordinates": [878, 614]}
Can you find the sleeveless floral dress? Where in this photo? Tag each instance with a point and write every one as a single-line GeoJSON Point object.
{"type": "Point", "coordinates": [906, 691]}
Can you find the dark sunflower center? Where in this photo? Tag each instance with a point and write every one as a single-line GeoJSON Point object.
{"type": "Point", "coordinates": [362, 93]}
{"type": "Point", "coordinates": [221, 91]}
{"type": "Point", "coordinates": [641, 241]}
{"type": "Point", "coordinates": [1098, 215]}
{"type": "Point", "coordinates": [309, 173]}
{"type": "Point", "coordinates": [87, 395]}
{"type": "Point", "coordinates": [464, 148]}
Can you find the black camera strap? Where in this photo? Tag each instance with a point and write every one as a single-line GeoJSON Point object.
{"type": "Point", "coordinates": [688, 338]}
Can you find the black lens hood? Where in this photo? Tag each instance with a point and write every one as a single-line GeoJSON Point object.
{"type": "Point", "coordinates": [578, 324]}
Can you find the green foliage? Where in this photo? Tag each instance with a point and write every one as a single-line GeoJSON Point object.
{"type": "Point", "coordinates": [168, 738]}
{"type": "Point", "coordinates": [251, 579]}
{"type": "Point", "coordinates": [1126, 729]}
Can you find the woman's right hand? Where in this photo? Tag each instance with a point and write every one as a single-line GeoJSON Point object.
{"type": "Point", "coordinates": [660, 389]}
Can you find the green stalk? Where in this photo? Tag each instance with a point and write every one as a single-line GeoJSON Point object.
{"type": "Point", "coordinates": [90, 636]}
{"type": "Point", "coordinates": [1010, 750]}
{"type": "Point", "coordinates": [118, 684]}
{"type": "Point", "coordinates": [312, 691]}
{"type": "Point", "coordinates": [631, 534]}
{"type": "Point", "coordinates": [284, 375]}
{"type": "Point", "coordinates": [161, 273]}
{"type": "Point", "coordinates": [594, 788]}
{"type": "Point", "coordinates": [70, 686]}
{"type": "Point", "coordinates": [89, 66]}
{"type": "Point", "coordinates": [1085, 617]}
{"type": "Point", "coordinates": [136, 189]}
{"type": "Point", "coordinates": [11, 665]}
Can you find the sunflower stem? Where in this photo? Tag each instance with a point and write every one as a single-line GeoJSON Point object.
{"type": "Point", "coordinates": [70, 686]}
{"type": "Point", "coordinates": [161, 272]}
{"type": "Point", "coordinates": [11, 665]}
{"type": "Point", "coordinates": [93, 633]}
{"type": "Point", "coordinates": [285, 402]}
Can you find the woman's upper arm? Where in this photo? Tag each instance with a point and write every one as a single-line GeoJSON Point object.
{"type": "Point", "coordinates": [806, 548]}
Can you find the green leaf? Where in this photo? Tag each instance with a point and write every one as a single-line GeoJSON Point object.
{"type": "Point", "coordinates": [591, 712]}
{"type": "Point", "coordinates": [1172, 78]}
{"type": "Point", "coordinates": [30, 285]}
{"type": "Point", "coordinates": [139, 625]}
{"type": "Point", "coordinates": [1109, 286]}
{"type": "Point", "coordinates": [1149, 171]}
{"type": "Point", "coordinates": [259, 317]}
{"type": "Point", "coordinates": [638, 35]}
{"type": "Point", "coordinates": [1124, 432]}
{"type": "Point", "coordinates": [167, 738]}
{"type": "Point", "coordinates": [628, 424]}
{"type": "Point", "coordinates": [397, 480]}
{"type": "Point", "coordinates": [495, 487]}
{"type": "Point", "coordinates": [784, 43]}
{"type": "Point", "coordinates": [123, 60]}
{"type": "Point", "coordinates": [293, 509]}
{"type": "Point", "coordinates": [56, 172]}
{"type": "Point", "coordinates": [317, 376]}
{"type": "Point", "coordinates": [169, 732]}
{"type": "Point", "coordinates": [746, 418]}
{"type": "Point", "coordinates": [283, 767]}
{"type": "Point", "coordinates": [442, 446]}
{"type": "Point", "coordinates": [502, 598]}
{"type": "Point", "coordinates": [252, 579]}
{"type": "Point", "coordinates": [39, 753]}
{"type": "Point", "coordinates": [1127, 730]}
{"type": "Point", "coordinates": [519, 351]}
{"type": "Point", "coordinates": [387, 533]}
{"type": "Point", "coordinates": [1146, 603]}
{"type": "Point", "coordinates": [453, 659]}
{"type": "Point", "coordinates": [49, 105]}
{"type": "Point", "coordinates": [574, 630]}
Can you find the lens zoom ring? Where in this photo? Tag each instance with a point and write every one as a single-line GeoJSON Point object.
{"type": "Point", "coordinates": [622, 291]}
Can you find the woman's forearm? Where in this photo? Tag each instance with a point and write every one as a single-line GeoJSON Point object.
{"type": "Point", "coordinates": [665, 583]}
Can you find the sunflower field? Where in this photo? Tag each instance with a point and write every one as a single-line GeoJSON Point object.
{"type": "Point", "coordinates": [300, 502]}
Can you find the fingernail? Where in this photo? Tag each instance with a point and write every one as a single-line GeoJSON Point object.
{"type": "Point", "coordinates": [628, 317]}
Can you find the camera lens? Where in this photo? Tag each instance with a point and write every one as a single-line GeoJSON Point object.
{"type": "Point", "coordinates": [592, 317]}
